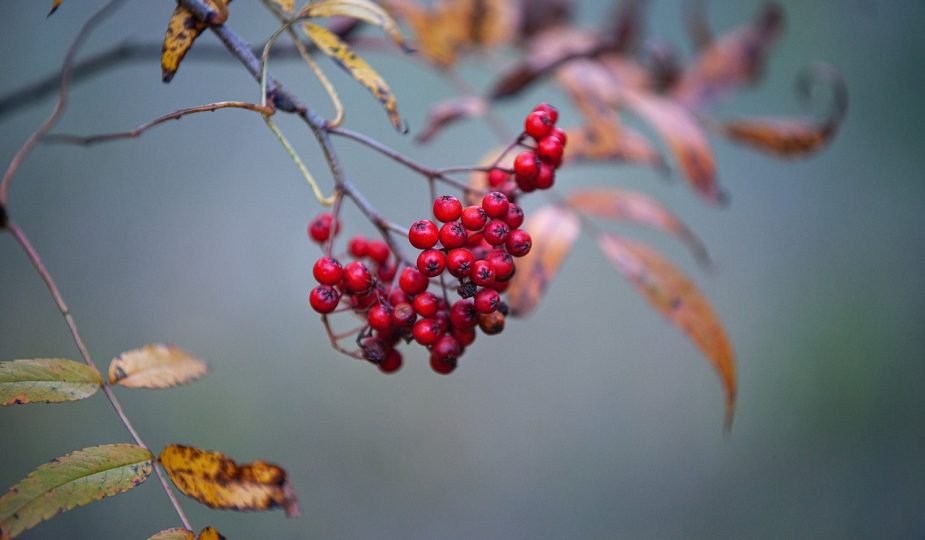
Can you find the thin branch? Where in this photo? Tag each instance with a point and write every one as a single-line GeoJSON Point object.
{"type": "Point", "coordinates": [137, 132]}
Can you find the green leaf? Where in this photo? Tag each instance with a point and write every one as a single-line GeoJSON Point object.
{"type": "Point", "coordinates": [46, 380]}
{"type": "Point", "coordinates": [73, 480]}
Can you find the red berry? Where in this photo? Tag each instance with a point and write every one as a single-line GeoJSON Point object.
{"type": "Point", "coordinates": [423, 234]}
{"type": "Point", "coordinates": [496, 232]}
{"type": "Point", "coordinates": [551, 111]}
{"type": "Point", "coordinates": [386, 272]}
{"type": "Point", "coordinates": [526, 166]}
{"type": "Point", "coordinates": [444, 354]}
{"type": "Point", "coordinates": [447, 208]}
{"type": "Point", "coordinates": [391, 363]}
{"type": "Point", "coordinates": [465, 336]}
{"type": "Point", "coordinates": [380, 317]}
{"type": "Point", "coordinates": [491, 323]}
{"type": "Point", "coordinates": [487, 301]}
{"type": "Point", "coordinates": [375, 349]}
{"type": "Point", "coordinates": [463, 314]}
{"type": "Point", "coordinates": [550, 150]}
{"type": "Point", "coordinates": [328, 271]}
{"type": "Point", "coordinates": [514, 217]}
{"type": "Point", "coordinates": [431, 262]}
{"type": "Point", "coordinates": [538, 124]}
{"type": "Point", "coordinates": [510, 190]}
{"type": "Point", "coordinates": [546, 177]}
{"type": "Point", "coordinates": [357, 277]}
{"type": "Point", "coordinates": [398, 296]}
{"type": "Point", "coordinates": [324, 298]}
{"type": "Point", "coordinates": [361, 302]}
{"type": "Point", "coordinates": [474, 218]}
{"type": "Point", "coordinates": [526, 184]}
{"type": "Point", "coordinates": [501, 286]}
{"type": "Point", "coordinates": [320, 228]}
{"type": "Point", "coordinates": [358, 247]}
{"type": "Point", "coordinates": [378, 251]}
{"type": "Point", "coordinates": [475, 240]}
{"type": "Point", "coordinates": [502, 264]}
{"type": "Point", "coordinates": [402, 315]}
{"type": "Point", "coordinates": [482, 274]}
{"type": "Point", "coordinates": [425, 304]}
{"type": "Point", "coordinates": [443, 319]}
{"type": "Point", "coordinates": [559, 134]}
{"type": "Point", "coordinates": [518, 243]}
{"type": "Point", "coordinates": [459, 262]}
{"type": "Point", "coordinates": [426, 331]}
{"type": "Point", "coordinates": [411, 281]}
{"type": "Point", "coordinates": [442, 365]}
{"type": "Point", "coordinates": [495, 204]}
{"type": "Point", "coordinates": [496, 177]}
{"type": "Point", "coordinates": [453, 235]}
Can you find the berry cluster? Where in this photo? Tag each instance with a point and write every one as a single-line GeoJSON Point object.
{"type": "Point", "coordinates": [534, 168]}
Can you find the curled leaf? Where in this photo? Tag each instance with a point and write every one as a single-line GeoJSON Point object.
{"type": "Point", "coordinates": [155, 366]}
{"type": "Point", "coordinates": [675, 297]}
{"type": "Point", "coordinates": [73, 480]}
{"type": "Point", "coordinates": [54, 7]}
{"type": "Point", "coordinates": [182, 30]}
{"type": "Point", "coordinates": [209, 533]}
{"type": "Point", "coordinates": [173, 534]}
{"type": "Point", "coordinates": [46, 380]}
{"type": "Point", "coordinates": [363, 10]}
{"type": "Point", "coordinates": [554, 230]}
{"type": "Point", "coordinates": [634, 207]}
{"type": "Point", "coordinates": [217, 481]}
{"type": "Point", "coordinates": [448, 111]}
{"type": "Point", "coordinates": [330, 44]}
{"type": "Point", "coordinates": [684, 137]}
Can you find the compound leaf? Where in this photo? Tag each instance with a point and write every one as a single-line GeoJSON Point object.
{"type": "Point", "coordinates": [155, 366]}
{"type": "Point", "coordinates": [46, 380]}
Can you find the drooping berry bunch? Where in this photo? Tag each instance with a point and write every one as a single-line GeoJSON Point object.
{"type": "Point", "coordinates": [536, 167]}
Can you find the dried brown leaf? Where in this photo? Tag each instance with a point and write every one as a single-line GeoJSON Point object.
{"type": "Point", "coordinates": [155, 366]}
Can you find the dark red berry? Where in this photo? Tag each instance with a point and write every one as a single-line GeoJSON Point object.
{"type": "Point", "coordinates": [380, 317]}
{"type": "Point", "coordinates": [423, 234]}
{"type": "Point", "coordinates": [538, 124]}
{"type": "Point", "coordinates": [431, 262]}
{"type": "Point", "coordinates": [487, 301]}
{"type": "Point", "coordinates": [518, 243]}
{"type": "Point", "coordinates": [526, 166]}
{"type": "Point", "coordinates": [391, 363]}
{"type": "Point", "coordinates": [483, 274]}
{"type": "Point", "coordinates": [357, 277]}
{"type": "Point", "coordinates": [402, 315]}
{"type": "Point", "coordinates": [496, 232]}
{"type": "Point", "coordinates": [551, 111]}
{"type": "Point", "coordinates": [443, 319]}
{"type": "Point", "coordinates": [495, 204]}
{"type": "Point", "coordinates": [559, 134]}
{"type": "Point", "coordinates": [510, 190]}
{"type": "Point", "coordinates": [463, 314]}
{"type": "Point", "coordinates": [474, 218]}
{"type": "Point", "coordinates": [425, 304]}
{"type": "Point", "coordinates": [496, 177]}
{"type": "Point", "coordinates": [324, 298]}
{"type": "Point", "coordinates": [502, 264]}
{"type": "Point", "coordinates": [550, 150]}
{"type": "Point", "coordinates": [453, 235]}
{"type": "Point", "coordinates": [386, 272]}
{"type": "Point", "coordinates": [514, 217]}
{"type": "Point", "coordinates": [526, 184]}
{"type": "Point", "coordinates": [444, 354]}
{"type": "Point", "coordinates": [399, 296]}
{"type": "Point", "coordinates": [358, 247]}
{"type": "Point", "coordinates": [442, 365]}
{"type": "Point", "coordinates": [491, 323]}
{"type": "Point", "coordinates": [501, 286]}
{"type": "Point", "coordinates": [328, 271]}
{"type": "Point", "coordinates": [363, 301]}
{"type": "Point", "coordinates": [411, 281]}
{"type": "Point", "coordinates": [447, 208]}
{"type": "Point", "coordinates": [378, 251]}
{"type": "Point", "coordinates": [426, 331]}
{"type": "Point", "coordinates": [546, 177]}
{"type": "Point", "coordinates": [475, 240]}
{"type": "Point", "coordinates": [374, 349]}
{"type": "Point", "coordinates": [459, 262]}
{"type": "Point", "coordinates": [320, 228]}
{"type": "Point", "coordinates": [465, 336]}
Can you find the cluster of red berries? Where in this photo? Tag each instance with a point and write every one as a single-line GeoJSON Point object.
{"type": "Point", "coordinates": [535, 168]}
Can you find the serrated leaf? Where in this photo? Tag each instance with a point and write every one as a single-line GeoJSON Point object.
{"type": "Point", "coordinates": [218, 482]}
{"type": "Point", "coordinates": [638, 208]}
{"type": "Point", "coordinates": [73, 480]}
{"type": "Point", "coordinates": [674, 296]}
{"type": "Point", "coordinates": [46, 380]}
{"type": "Point", "coordinates": [182, 30]}
{"type": "Point", "coordinates": [155, 366]}
{"type": "Point", "coordinates": [330, 44]}
{"type": "Point", "coordinates": [553, 230]}
{"type": "Point", "coordinates": [173, 534]}
{"type": "Point", "coordinates": [363, 10]}
{"type": "Point", "coordinates": [684, 137]}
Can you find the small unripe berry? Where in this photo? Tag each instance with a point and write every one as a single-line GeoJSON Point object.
{"type": "Point", "coordinates": [487, 301]}
{"type": "Point", "coordinates": [357, 277]}
{"type": "Point", "coordinates": [320, 228]}
{"type": "Point", "coordinates": [482, 274]}
{"type": "Point", "coordinates": [453, 235]}
{"type": "Point", "coordinates": [459, 262]}
{"type": "Point", "coordinates": [514, 217]}
{"type": "Point", "coordinates": [328, 271]}
{"type": "Point", "coordinates": [496, 177]}
{"type": "Point", "coordinates": [425, 304]}
{"type": "Point", "coordinates": [411, 281]}
{"type": "Point", "coordinates": [391, 363]}
{"type": "Point", "coordinates": [447, 208]}
{"type": "Point", "coordinates": [538, 124]}
{"type": "Point", "coordinates": [518, 243]}
{"type": "Point", "coordinates": [496, 232]}
{"type": "Point", "coordinates": [431, 262]}
{"type": "Point", "coordinates": [474, 218]}
{"type": "Point", "coordinates": [324, 298]}
{"type": "Point", "coordinates": [380, 317]}
{"type": "Point", "coordinates": [423, 234]}
{"type": "Point", "coordinates": [491, 323]}
{"type": "Point", "coordinates": [426, 331]}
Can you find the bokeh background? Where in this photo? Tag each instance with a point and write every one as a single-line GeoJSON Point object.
{"type": "Point", "coordinates": [593, 419]}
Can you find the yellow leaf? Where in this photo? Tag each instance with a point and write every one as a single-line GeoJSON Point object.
{"type": "Point", "coordinates": [363, 10]}
{"type": "Point", "coordinates": [330, 44]}
{"type": "Point", "coordinates": [218, 482]}
{"type": "Point", "coordinates": [553, 230]}
{"type": "Point", "coordinates": [675, 297]}
{"type": "Point", "coordinates": [155, 366]}
{"type": "Point", "coordinates": [182, 30]}
{"type": "Point", "coordinates": [286, 5]}
{"type": "Point", "coordinates": [209, 533]}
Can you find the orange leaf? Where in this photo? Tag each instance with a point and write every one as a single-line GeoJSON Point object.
{"type": "Point", "coordinates": [554, 230]}
{"type": "Point", "coordinates": [634, 207]}
{"type": "Point", "coordinates": [209, 533]}
{"type": "Point", "coordinates": [675, 297]}
{"type": "Point", "coordinates": [218, 482]}
{"type": "Point", "coordinates": [55, 6]}
{"type": "Point", "coordinates": [684, 136]}
{"type": "Point", "coordinates": [182, 30]}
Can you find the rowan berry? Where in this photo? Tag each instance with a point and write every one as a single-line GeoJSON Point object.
{"type": "Point", "coordinates": [357, 277]}
{"type": "Point", "coordinates": [475, 240]}
{"type": "Point", "coordinates": [474, 218]}
{"type": "Point", "coordinates": [463, 314]}
{"type": "Point", "coordinates": [402, 315]}
{"type": "Point", "coordinates": [496, 232]}
{"type": "Point", "coordinates": [465, 336]}
{"type": "Point", "coordinates": [501, 286]}
{"type": "Point", "coordinates": [320, 228]}
{"type": "Point", "coordinates": [559, 134]}
{"type": "Point", "coordinates": [431, 262]}
{"type": "Point", "coordinates": [526, 166]}
{"type": "Point", "coordinates": [467, 289]}
{"type": "Point", "coordinates": [441, 365]}
{"type": "Point", "coordinates": [444, 354]}
{"type": "Point", "coordinates": [459, 262]}
{"type": "Point", "coordinates": [374, 349]}
{"type": "Point", "coordinates": [482, 274]}
{"type": "Point", "coordinates": [411, 281]}
{"type": "Point", "coordinates": [391, 363]}
{"type": "Point", "coordinates": [495, 204]}
{"type": "Point", "coordinates": [423, 234]}
{"type": "Point", "coordinates": [514, 217]}
{"type": "Point", "coordinates": [491, 323]}
{"type": "Point", "coordinates": [398, 296]}
{"type": "Point", "coordinates": [324, 298]}
{"type": "Point", "coordinates": [497, 176]}
{"type": "Point", "coordinates": [358, 247]}
{"type": "Point", "coordinates": [487, 301]}
{"type": "Point", "coordinates": [453, 235]}
{"type": "Point", "coordinates": [518, 243]}
{"type": "Point", "coordinates": [447, 208]}
{"type": "Point", "coordinates": [386, 272]}
{"type": "Point", "coordinates": [538, 124]}
{"type": "Point", "coordinates": [502, 264]}
{"type": "Point", "coordinates": [546, 177]}
{"type": "Point", "coordinates": [551, 111]}
{"type": "Point", "coordinates": [526, 184]}
{"type": "Point", "coordinates": [378, 251]}
{"type": "Point", "coordinates": [549, 149]}
{"type": "Point", "coordinates": [426, 331]}
{"type": "Point", "coordinates": [328, 271]}
{"type": "Point", "coordinates": [425, 304]}
{"type": "Point", "coordinates": [380, 317]}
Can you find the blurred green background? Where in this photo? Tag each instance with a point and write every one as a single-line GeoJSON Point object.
{"type": "Point", "coordinates": [593, 419]}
